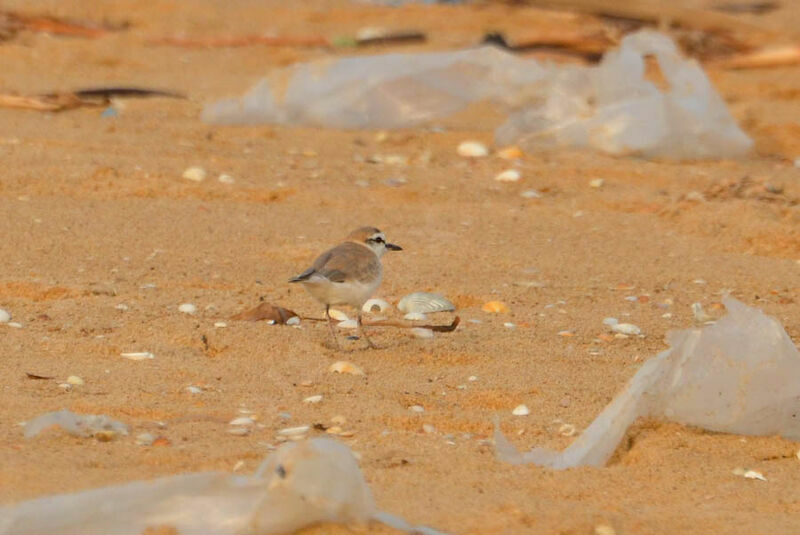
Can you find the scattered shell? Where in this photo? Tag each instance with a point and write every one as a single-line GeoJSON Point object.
{"type": "Point", "coordinates": [337, 314]}
{"type": "Point", "coordinates": [74, 380]}
{"type": "Point", "coordinates": [220, 324]}
{"type": "Point", "coordinates": [566, 430]}
{"type": "Point", "coordinates": [313, 399]}
{"type": "Point", "coordinates": [428, 428]}
{"type": "Point", "coordinates": [294, 431]}
{"type": "Point", "coordinates": [121, 306]}
{"type": "Point", "coordinates": [566, 334]}
{"type": "Point", "coordinates": [415, 316]}
{"type": "Point", "coordinates": [419, 332]}
{"type": "Point", "coordinates": [610, 321]}
{"type": "Point", "coordinates": [5, 317]}
{"type": "Point", "coordinates": [472, 378]}
{"type": "Point", "coordinates": [604, 529]}
{"type": "Point", "coordinates": [531, 194]}
{"type": "Point", "coordinates": [416, 408]}
{"type": "Point", "coordinates": [194, 390]}
{"type": "Point", "coordinates": [145, 439]}
{"type": "Point", "coordinates": [424, 302]}
{"type": "Point", "coordinates": [495, 307]}
{"type": "Point", "coordinates": [521, 410]}
{"type": "Point", "coordinates": [626, 328]}
{"type": "Point", "coordinates": [225, 179]}
{"type": "Point", "coordinates": [195, 174]}
{"type": "Point", "coordinates": [187, 308]}
{"type": "Point", "coordinates": [343, 366]}
{"type": "Point", "coordinates": [239, 431]}
{"type": "Point", "coordinates": [749, 474]}
{"type": "Point", "coordinates": [472, 149]}
{"type": "Point", "coordinates": [242, 420]}
{"type": "Point", "coordinates": [509, 325]}
{"type": "Point", "coordinates": [14, 324]}
{"type": "Point", "coordinates": [294, 320]}
{"type": "Point", "coordinates": [376, 305]}
{"type": "Point", "coordinates": [510, 153]}
{"type": "Point", "coordinates": [143, 355]}
{"type": "Point", "coordinates": [348, 324]}
{"type": "Point", "coordinates": [509, 175]}
{"type": "Point", "coordinates": [597, 183]}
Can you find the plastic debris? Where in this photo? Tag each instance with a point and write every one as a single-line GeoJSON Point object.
{"type": "Point", "coordinates": [729, 377]}
{"type": "Point", "coordinates": [611, 107]}
{"type": "Point", "coordinates": [82, 425]}
{"type": "Point", "coordinates": [298, 485]}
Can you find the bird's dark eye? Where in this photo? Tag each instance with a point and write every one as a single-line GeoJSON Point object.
{"type": "Point", "coordinates": [377, 240]}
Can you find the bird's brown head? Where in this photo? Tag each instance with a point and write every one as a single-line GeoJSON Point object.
{"type": "Point", "coordinates": [374, 239]}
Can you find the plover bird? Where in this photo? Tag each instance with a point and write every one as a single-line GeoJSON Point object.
{"type": "Point", "coordinates": [348, 274]}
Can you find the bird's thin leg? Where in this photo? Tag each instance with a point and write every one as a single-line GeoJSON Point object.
{"type": "Point", "coordinates": [363, 333]}
{"type": "Point", "coordinates": [330, 327]}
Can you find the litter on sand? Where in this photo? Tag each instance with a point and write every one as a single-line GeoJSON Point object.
{"type": "Point", "coordinates": [82, 425]}
{"type": "Point", "coordinates": [735, 376]}
{"type": "Point", "coordinates": [611, 107]}
{"type": "Point", "coordinates": [298, 485]}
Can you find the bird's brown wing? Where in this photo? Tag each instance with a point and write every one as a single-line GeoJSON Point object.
{"type": "Point", "coordinates": [348, 262]}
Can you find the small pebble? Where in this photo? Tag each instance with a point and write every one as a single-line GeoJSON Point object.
{"type": "Point", "coordinates": [428, 428]}
{"type": "Point", "coordinates": [294, 320]}
{"type": "Point", "coordinates": [509, 325]}
{"type": "Point", "coordinates": [187, 308]}
{"type": "Point", "coordinates": [143, 355]}
{"type": "Point", "coordinates": [626, 328]}
{"type": "Point", "coordinates": [416, 408]}
{"type": "Point", "coordinates": [521, 410]}
{"type": "Point", "coordinates": [14, 324]}
{"type": "Point", "coordinates": [74, 380]}
{"type": "Point", "coordinates": [5, 317]}
{"type": "Point", "coordinates": [294, 431]}
{"type": "Point", "coordinates": [239, 431]}
{"type": "Point", "coordinates": [610, 321]}
{"type": "Point", "coordinates": [242, 420]}
{"type": "Point", "coordinates": [220, 324]}
{"type": "Point", "coordinates": [313, 399]}
{"type": "Point", "coordinates": [194, 390]}
{"type": "Point", "coordinates": [472, 149]}
{"type": "Point", "coordinates": [531, 194]}
{"type": "Point", "coordinates": [145, 439]}
{"type": "Point", "coordinates": [597, 183]}
{"type": "Point", "coordinates": [195, 174]}
{"type": "Point", "coordinates": [509, 175]}
{"type": "Point", "coordinates": [225, 179]}
{"type": "Point", "coordinates": [472, 378]}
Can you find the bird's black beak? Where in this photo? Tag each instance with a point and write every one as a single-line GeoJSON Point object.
{"type": "Point", "coordinates": [393, 247]}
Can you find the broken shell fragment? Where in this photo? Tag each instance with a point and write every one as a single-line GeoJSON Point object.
{"type": "Point", "coordinates": [74, 380]}
{"type": "Point", "coordinates": [472, 149]}
{"type": "Point", "coordinates": [187, 308]}
{"type": "Point", "coordinates": [521, 410]}
{"type": "Point", "coordinates": [242, 420]}
{"type": "Point", "coordinates": [342, 366]}
{"type": "Point", "coordinates": [239, 431]}
{"type": "Point", "coordinates": [348, 324]}
{"type": "Point", "coordinates": [313, 399]}
{"type": "Point", "coordinates": [5, 317]}
{"type": "Point", "coordinates": [626, 328]}
{"type": "Point", "coordinates": [425, 302]}
{"type": "Point", "coordinates": [294, 431]}
{"type": "Point", "coordinates": [139, 355]}
{"type": "Point", "coordinates": [509, 175]}
{"type": "Point", "coordinates": [495, 307]}
{"type": "Point", "coordinates": [375, 305]}
{"type": "Point", "coordinates": [195, 174]}
{"type": "Point", "coordinates": [337, 314]}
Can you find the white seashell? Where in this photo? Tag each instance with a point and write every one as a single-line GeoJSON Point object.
{"type": "Point", "coordinates": [5, 317]}
{"type": "Point", "coordinates": [225, 179]}
{"type": "Point", "coordinates": [416, 408]}
{"type": "Point", "coordinates": [239, 431]}
{"type": "Point", "coordinates": [14, 324]}
{"type": "Point", "coordinates": [425, 334]}
{"type": "Point", "coordinates": [472, 149]}
{"type": "Point", "coordinates": [342, 366]}
{"type": "Point", "coordinates": [509, 175]}
{"type": "Point", "coordinates": [242, 420]}
{"type": "Point", "coordinates": [143, 355]}
{"type": "Point", "coordinates": [337, 314]}
{"type": "Point", "coordinates": [428, 428]}
{"type": "Point", "coordinates": [195, 174]}
{"type": "Point", "coordinates": [74, 380]}
{"type": "Point", "coordinates": [610, 321]}
{"type": "Point", "coordinates": [415, 316]}
{"type": "Point", "coordinates": [348, 324]}
{"type": "Point", "coordinates": [313, 399]}
{"type": "Point", "coordinates": [521, 410]}
{"type": "Point", "coordinates": [187, 308]}
{"type": "Point", "coordinates": [376, 305]}
{"type": "Point", "coordinates": [294, 320]}
{"type": "Point", "coordinates": [626, 328]}
{"type": "Point", "coordinates": [749, 474]}
{"type": "Point", "coordinates": [294, 431]}
{"type": "Point", "coordinates": [596, 183]}
{"type": "Point", "coordinates": [424, 302]}
{"type": "Point", "coordinates": [531, 194]}
{"type": "Point", "coordinates": [220, 324]}
{"type": "Point", "coordinates": [194, 390]}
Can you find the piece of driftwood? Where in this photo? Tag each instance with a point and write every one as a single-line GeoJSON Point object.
{"type": "Point", "coordinates": [69, 100]}
{"type": "Point", "coordinates": [266, 312]}
{"type": "Point", "coordinates": [768, 57]}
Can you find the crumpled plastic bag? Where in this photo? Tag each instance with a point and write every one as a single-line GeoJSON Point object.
{"type": "Point", "coordinates": [380, 91]}
{"type": "Point", "coordinates": [611, 107]}
{"type": "Point", "coordinates": [740, 375]}
{"type": "Point", "coordinates": [614, 108]}
{"type": "Point", "coordinates": [298, 485]}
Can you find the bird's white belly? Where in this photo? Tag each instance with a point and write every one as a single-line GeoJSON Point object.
{"type": "Point", "coordinates": [341, 293]}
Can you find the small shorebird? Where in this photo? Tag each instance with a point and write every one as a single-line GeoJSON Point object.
{"type": "Point", "coordinates": [348, 274]}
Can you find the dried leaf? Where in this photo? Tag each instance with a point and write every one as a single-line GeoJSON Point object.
{"type": "Point", "coordinates": [266, 311]}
